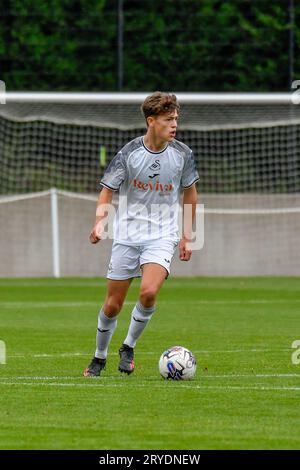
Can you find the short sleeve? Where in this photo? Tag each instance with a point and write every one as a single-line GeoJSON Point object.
{"type": "Point", "coordinates": [115, 173]}
{"type": "Point", "coordinates": [190, 174]}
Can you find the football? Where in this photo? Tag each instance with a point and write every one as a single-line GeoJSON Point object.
{"type": "Point", "coordinates": [177, 363]}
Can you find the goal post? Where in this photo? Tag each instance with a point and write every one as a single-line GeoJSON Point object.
{"type": "Point", "coordinates": [137, 98]}
{"type": "Point", "coordinates": [242, 142]}
{"type": "Point", "coordinates": [246, 147]}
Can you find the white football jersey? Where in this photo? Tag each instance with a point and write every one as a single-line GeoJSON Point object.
{"type": "Point", "coordinates": [149, 186]}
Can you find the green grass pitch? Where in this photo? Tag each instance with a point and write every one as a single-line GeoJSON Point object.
{"type": "Point", "coordinates": [245, 394]}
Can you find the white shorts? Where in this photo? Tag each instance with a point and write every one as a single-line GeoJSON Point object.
{"type": "Point", "coordinates": [126, 261]}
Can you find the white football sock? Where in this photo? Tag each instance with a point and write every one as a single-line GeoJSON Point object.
{"type": "Point", "coordinates": [106, 328]}
{"type": "Point", "coordinates": [140, 317]}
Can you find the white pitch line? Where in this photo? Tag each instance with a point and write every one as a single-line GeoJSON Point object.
{"type": "Point", "coordinates": [56, 283]}
{"type": "Point", "coordinates": [33, 305]}
{"type": "Point", "coordinates": [48, 304]}
{"type": "Point", "coordinates": [233, 376]}
{"type": "Point", "coordinates": [149, 353]}
{"type": "Point", "coordinates": [164, 386]}
{"type": "Point", "coordinates": [52, 284]}
{"type": "Point", "coordinates": [64, 282]}
{"type": "Point", "coordinates": [203, 376]}
{"type": "Point", "coordinates": [172, 283]}
{"type": "Point", "coordinates": [120, 377]}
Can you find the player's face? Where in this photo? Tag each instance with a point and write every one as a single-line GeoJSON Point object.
{"type": "Point", "coordinates": [165, 126]}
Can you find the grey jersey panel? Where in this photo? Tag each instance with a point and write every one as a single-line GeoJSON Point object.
{"type": "Point", "coordinates": [116, 172]}
{"type": "Point", "coordinates": [189, 173]}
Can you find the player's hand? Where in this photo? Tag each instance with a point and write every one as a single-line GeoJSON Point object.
{"type": "Point", "coordinates": [185, 251]}
{"type": "Point", "coordinates": [96, 233]}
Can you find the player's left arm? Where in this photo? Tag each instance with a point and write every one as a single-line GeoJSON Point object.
{"type": "Point", "coordinates": [189, 213]}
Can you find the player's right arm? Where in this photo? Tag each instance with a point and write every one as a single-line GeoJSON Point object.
{"type": "Point", "coordinates": [111, 181]}
{"type": "Point", "coordinates": [105, 197]}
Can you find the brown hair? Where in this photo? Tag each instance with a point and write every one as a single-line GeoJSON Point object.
{"type": "Point", "coordinates": [159, 103]}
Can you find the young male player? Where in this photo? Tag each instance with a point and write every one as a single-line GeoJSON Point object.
{"type": "Point", "coordinates": [148, 172]}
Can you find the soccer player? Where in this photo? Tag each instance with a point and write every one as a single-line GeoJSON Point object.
{"type": "Point", "coordinates": [148, 172]}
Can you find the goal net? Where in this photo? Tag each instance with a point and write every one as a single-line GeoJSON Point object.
{"type": "Point", "coordinates": [247, 153]}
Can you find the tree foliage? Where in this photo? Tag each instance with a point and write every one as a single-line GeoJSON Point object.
{"type": "Point", "coordinates": [183, 45]}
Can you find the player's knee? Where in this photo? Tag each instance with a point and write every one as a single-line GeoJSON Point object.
{"type": "Point", "coordinates": [148, 295]}
{"type": "Point", "coordinates": [112, 306]}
